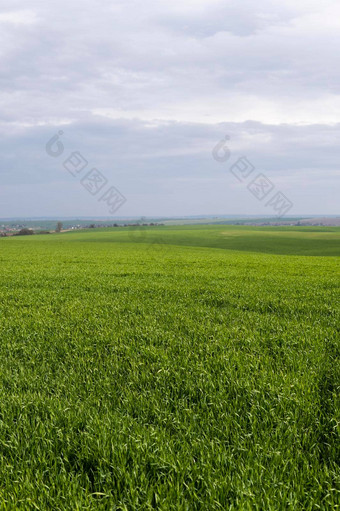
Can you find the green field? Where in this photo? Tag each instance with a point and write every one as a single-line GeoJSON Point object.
{"type": "Point", "coordinates": [170, 368]}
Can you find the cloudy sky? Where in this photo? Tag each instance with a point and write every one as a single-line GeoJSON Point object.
{"type": "Point", "coordinates": [144, 91]}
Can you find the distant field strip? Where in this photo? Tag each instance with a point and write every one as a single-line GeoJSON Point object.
{"type": "Point", "coordinates": [282, 241]}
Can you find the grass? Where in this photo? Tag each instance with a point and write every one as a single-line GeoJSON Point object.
{"type": "Point", "coordinates": [173, 368]}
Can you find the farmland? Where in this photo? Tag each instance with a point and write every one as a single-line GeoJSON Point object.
{"type": "Point", "coordinates": [170, 368]}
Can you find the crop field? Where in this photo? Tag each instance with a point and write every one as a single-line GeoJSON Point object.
{"type": "Point", "coordinates": [170, 368]}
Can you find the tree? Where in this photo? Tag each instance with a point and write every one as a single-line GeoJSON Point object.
{"type": "Point", "coordinates": [24, 232]}
{"type": "Point", "coordinates": [59, 227]}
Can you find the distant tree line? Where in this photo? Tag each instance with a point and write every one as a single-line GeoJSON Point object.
{"type": "Point", "coordinates": [24, 232]}
{"type": "Point", "coordinates": [98, 226]}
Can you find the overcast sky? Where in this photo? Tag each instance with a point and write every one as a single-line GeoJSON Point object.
{"type": "Point", "coordinates": [144, 91]}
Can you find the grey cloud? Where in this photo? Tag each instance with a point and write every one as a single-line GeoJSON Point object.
{"type": "Point", "coordinates": [143, 88]}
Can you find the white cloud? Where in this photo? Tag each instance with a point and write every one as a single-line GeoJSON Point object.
{"type": "Point", "coordinates": [20, 17]}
